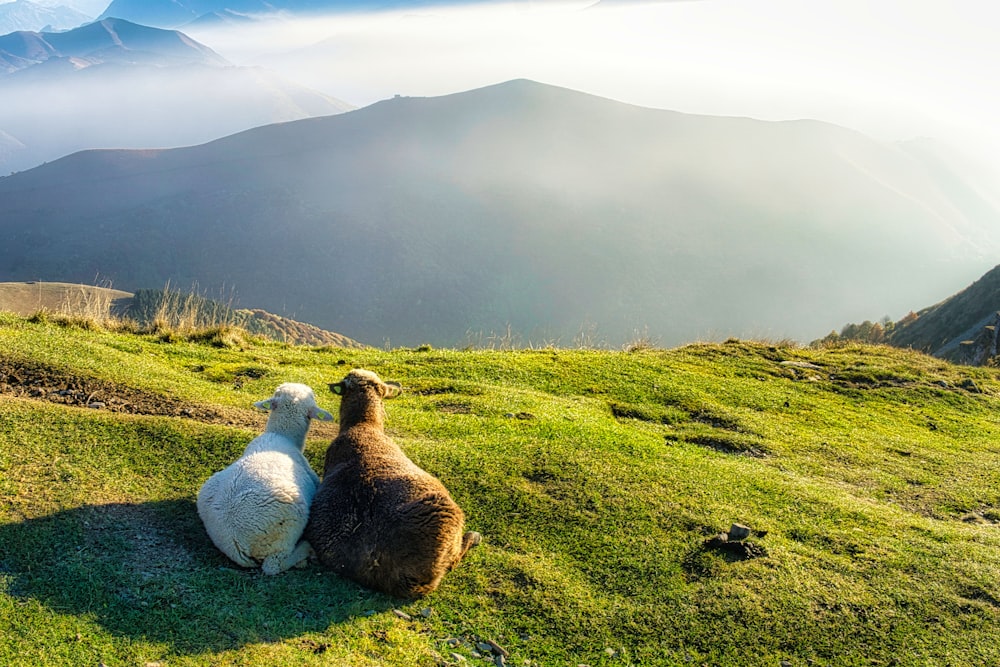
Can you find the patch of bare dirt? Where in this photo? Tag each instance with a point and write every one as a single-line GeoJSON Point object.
{"type": "Point", "coordinates": [29, 379]}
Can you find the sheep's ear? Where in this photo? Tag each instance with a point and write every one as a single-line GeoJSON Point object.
{"type": "Point", "coordinates": [320, 414]}
{"type": "Point", "coordinates": [392, 389]}
{"type": "Point", "coordinates": [263, 405]}
{"type": "Point", "coordinates": [337, 388]}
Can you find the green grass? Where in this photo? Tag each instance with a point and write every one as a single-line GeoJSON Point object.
{"type": "Point", "coordinates": [870, 478]}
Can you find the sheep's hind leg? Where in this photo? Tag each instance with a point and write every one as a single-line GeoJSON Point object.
{"type": "Point", "coordinates": [304, 557]}
{"type": "Point", "coordinates": [469, 540]}
{"type": "Point", "coordinates": [278, 563]}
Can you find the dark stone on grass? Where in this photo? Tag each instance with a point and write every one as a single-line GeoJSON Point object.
{"type": "Point", "coordinates": [970, 385]}
{"type": "Point", "coordinates": [735, 545]}
{"type": "Point", "coordinates": [738, 532]}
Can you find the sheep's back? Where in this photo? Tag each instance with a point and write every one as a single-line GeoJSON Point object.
{"type": "Point", "coordinates": [259, 505]}
{"type": "Point", "coordinates": [382, 520]}
{"type": "Point", "coordinates": [373, 475]}
{"type": "Point", "coordinates": [273, 477]}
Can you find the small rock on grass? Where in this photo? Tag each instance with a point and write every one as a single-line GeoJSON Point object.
{"type": "Point", "coordinates": [738, 532]}
{"type": "Point", "coordinates": [490, 646]}
{"type": "Point", "coordinates": [500, 650]}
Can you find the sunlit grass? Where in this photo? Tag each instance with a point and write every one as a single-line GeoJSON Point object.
{"type": "Point", "coordinates": [869, 477]}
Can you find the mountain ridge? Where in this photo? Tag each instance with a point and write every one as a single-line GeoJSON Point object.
{"type": "Point", "coordinates": [177, 13]}
{"type": "Point", "coordinates": [519, 205]}
{"type": "Point", "coordinates": [961, 328]}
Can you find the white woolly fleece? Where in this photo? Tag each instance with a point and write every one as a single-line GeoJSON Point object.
{"type": "Point", "coordinates": [256, 509]}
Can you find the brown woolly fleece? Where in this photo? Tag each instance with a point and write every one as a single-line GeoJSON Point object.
{"type": "Point", "coordinates": [377, 518]}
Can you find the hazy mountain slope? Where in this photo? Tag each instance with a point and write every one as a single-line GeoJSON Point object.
{"type": "Point", "coordinates": [114, 84]}
{"type": "Point", "coordinates": [552, 211]}
{"type": "Point", "coordinates": [972, 186]}
{"type": "Point", "coordinates": [939, 329]}
{"type": "Point", "coordinates": [173, 13]}
{"type": "Point", "coordinates": [25, 15]}
{"type": "Point", "coordinates": [9, 147]}
{"type": "Point", "coordinates": [89, 7]}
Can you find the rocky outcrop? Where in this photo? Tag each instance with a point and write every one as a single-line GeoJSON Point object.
{"type": "Point", "coordinates": [983, 348]}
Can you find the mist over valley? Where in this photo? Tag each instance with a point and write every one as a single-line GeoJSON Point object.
{"type": "Point", "coordinates": [115, 84]}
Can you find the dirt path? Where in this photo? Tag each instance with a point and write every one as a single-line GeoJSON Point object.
{"type": "Point", "coordinates": [30, 379]}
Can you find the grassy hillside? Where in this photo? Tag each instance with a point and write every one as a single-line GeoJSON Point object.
{"type": "Point", "coordinates": [869, 477]}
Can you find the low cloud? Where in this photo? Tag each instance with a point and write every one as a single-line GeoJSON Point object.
{"type": "Point", "coordinates": [896, 71]}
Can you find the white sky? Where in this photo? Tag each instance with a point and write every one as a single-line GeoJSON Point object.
{"type": "Point", "coordinates": [893, 69]}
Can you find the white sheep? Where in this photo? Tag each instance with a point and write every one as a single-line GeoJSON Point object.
{"type": "Point", "coordinates": [256, 509]}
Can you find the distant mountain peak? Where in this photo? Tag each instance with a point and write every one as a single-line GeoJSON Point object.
{"type": "Point", "coordinates": [106, 40]}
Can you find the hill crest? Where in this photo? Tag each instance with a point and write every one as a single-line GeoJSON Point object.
{"type": "Point", "coordinates": [25, 15]}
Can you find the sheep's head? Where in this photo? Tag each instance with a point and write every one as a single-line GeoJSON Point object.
{"type": "Point", "coordinates": [361, 379]}
{"type": "Point", "coordinates": [361, 394]}
{"type": "Point", "coordinates": [293, 399]}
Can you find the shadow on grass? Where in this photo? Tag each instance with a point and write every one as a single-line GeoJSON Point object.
{"type": "Point", "coordinates": [149, 571]}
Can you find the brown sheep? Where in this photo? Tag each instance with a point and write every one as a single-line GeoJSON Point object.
{"type": "Point", "coordinates": [377, 518]}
